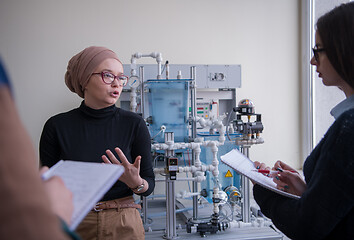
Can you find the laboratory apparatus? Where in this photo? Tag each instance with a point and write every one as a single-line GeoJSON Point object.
{"type": "Point", "coordinates": [193, 119]}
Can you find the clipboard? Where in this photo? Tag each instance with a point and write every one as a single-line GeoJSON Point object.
{"type": "Point", "coordinates": [243, 165]}
{"type": "Point", "coordinates": [87, 181]}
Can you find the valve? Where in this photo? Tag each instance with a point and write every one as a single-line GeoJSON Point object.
{"type": "Point", "coordinates": [172, 167]}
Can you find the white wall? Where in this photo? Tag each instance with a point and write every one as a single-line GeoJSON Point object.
{"type": "Point", "coordinates": [38, 37]}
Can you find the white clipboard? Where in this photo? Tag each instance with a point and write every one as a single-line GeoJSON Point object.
{"type": "Point", "coordinates": [243, 165]}
{"type": "Point", "coordinates": [88, 183]}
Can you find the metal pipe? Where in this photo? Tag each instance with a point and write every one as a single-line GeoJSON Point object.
{"type": "Point", "coordinates": [178, 179]}
{"type": "Point", "coordinates": [170, 196]}
{"type": "Point", "coordinates": [194, 135]}
{"type": "Point", "coordinates": [170, 209]}
{"type": "Point", "coordinates": [144, 209]}
{"type": "Point", "coordinates": [142, 99]}
{"type": "Point", "coordinates": [245, 188]}
{"type": "Point", "coordinates": [193, 101]}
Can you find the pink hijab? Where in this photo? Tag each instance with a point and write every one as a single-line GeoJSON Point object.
{"type": "Point", "coordinates": [82, 65]}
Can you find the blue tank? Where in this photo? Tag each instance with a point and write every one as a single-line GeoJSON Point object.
{"type": "Point", "coordinates": [168, 106]}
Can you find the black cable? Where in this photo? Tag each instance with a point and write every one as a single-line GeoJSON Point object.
{"type": "Point", "coordinates": [164, 66]}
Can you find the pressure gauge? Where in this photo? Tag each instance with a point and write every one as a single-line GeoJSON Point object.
{"type": "Point", "coordinates": [134, 82]}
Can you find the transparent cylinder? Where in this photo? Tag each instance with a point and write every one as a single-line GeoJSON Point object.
{"type": "Point", "coordinates": [168, 106]}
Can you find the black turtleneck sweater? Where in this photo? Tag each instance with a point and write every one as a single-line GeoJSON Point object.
{"type": "Point", "coordinates": [84, 134]}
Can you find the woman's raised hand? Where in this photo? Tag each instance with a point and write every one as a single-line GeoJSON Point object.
{"type": "Point", "coordinates": [131, 175]}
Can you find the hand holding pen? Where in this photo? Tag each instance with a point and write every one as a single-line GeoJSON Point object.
{"type": "Point", "coordinates": [289, 180]}
{"type": "Point", "coordinates": [267, 172]}
{"type": "Point", "coordinates": [279, 167]}
{"type": "Point", "coordinates": [270, 173]}
{"type": "Point", "coordinates": [286, 178]}
{"type": "Point", "coordinates": [264, 169]}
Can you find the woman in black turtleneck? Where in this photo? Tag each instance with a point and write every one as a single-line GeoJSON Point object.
{"type": "Point", "coordinates": [98, 131]}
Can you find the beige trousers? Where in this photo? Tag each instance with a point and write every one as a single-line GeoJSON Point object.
{"type": "Point", "coordinates": [112, 224]}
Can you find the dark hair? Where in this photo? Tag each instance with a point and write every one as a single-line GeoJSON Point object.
{"type": "Point", "coordinates": [336, 29]}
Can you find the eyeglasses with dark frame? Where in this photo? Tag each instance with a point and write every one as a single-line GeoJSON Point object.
{"type": "Point", "coordinates": [317, 50]}
{"type": "Point", "coordinates": [108, 78]}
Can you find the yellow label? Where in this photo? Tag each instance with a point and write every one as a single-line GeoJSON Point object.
{"type": "Point", "coordinates": [228, 174]}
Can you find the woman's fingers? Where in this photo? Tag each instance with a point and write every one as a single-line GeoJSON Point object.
{"type": "Point", "coordinates": [111, 158]}
{"type": "Point", "coordinates": [105, 159]}
{"type": "Point", "coordinates": [122, 157]}
{"type": "Point", "coordinates": [137, 162]}
{"type": "Point", "coordinates": [280, 184]}
{"type": "Point", "coordinates": [260, 165]}
{"type": "Point", "coordinates": [131, 175]}
{"type": "Point", "coordinates": [290, 182]}
{"type": "Point", "coordinates": [279, 180]}
{"type": "Point", "coordinates": [123, 160]}
{"type": "Point", "coordinates": [257, 164]}
{"type": "Point", "coordinates": [284, 187]}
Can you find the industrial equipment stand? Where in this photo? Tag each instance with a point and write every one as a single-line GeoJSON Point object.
{"type": "Point", "coordinates": [245, 190]}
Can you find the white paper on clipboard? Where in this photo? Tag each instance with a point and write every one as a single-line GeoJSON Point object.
{"type": "Point", "coordinates": [88, 183]}
{"type": "Point", "coordinates": [243, 165]}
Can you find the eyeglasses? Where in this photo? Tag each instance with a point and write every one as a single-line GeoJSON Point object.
{"type": "Point", "coordinates": [317, 50]}
{"type": "Point", "coordinates": [108, 78]}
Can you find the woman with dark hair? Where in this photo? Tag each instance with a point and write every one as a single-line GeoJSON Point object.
{"type": "Point", "coordinates": [98, 131]}
{"type": "Point", "coordinates": [325, 209]}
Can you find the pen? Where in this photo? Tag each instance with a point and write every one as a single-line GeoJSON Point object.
{"type": "Point", "coordinates": [281, 170]}
{"type": "Point", "coordinates": [265, 171]}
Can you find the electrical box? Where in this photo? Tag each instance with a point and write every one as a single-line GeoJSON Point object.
{"type": "Point", "coordinates": [207, 76]}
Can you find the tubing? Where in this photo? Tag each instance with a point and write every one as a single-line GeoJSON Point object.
{"type": "Point", "coordinates": [133, 102]}
{"type": "Point", "coordinates": [198, 169]}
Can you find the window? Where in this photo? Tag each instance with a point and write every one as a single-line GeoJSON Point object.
{"type": "Point", "coordinates": [318, 99]}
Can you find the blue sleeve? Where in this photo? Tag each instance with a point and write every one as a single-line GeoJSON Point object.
{"type": "Point", "coordinates": [4, 80]}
